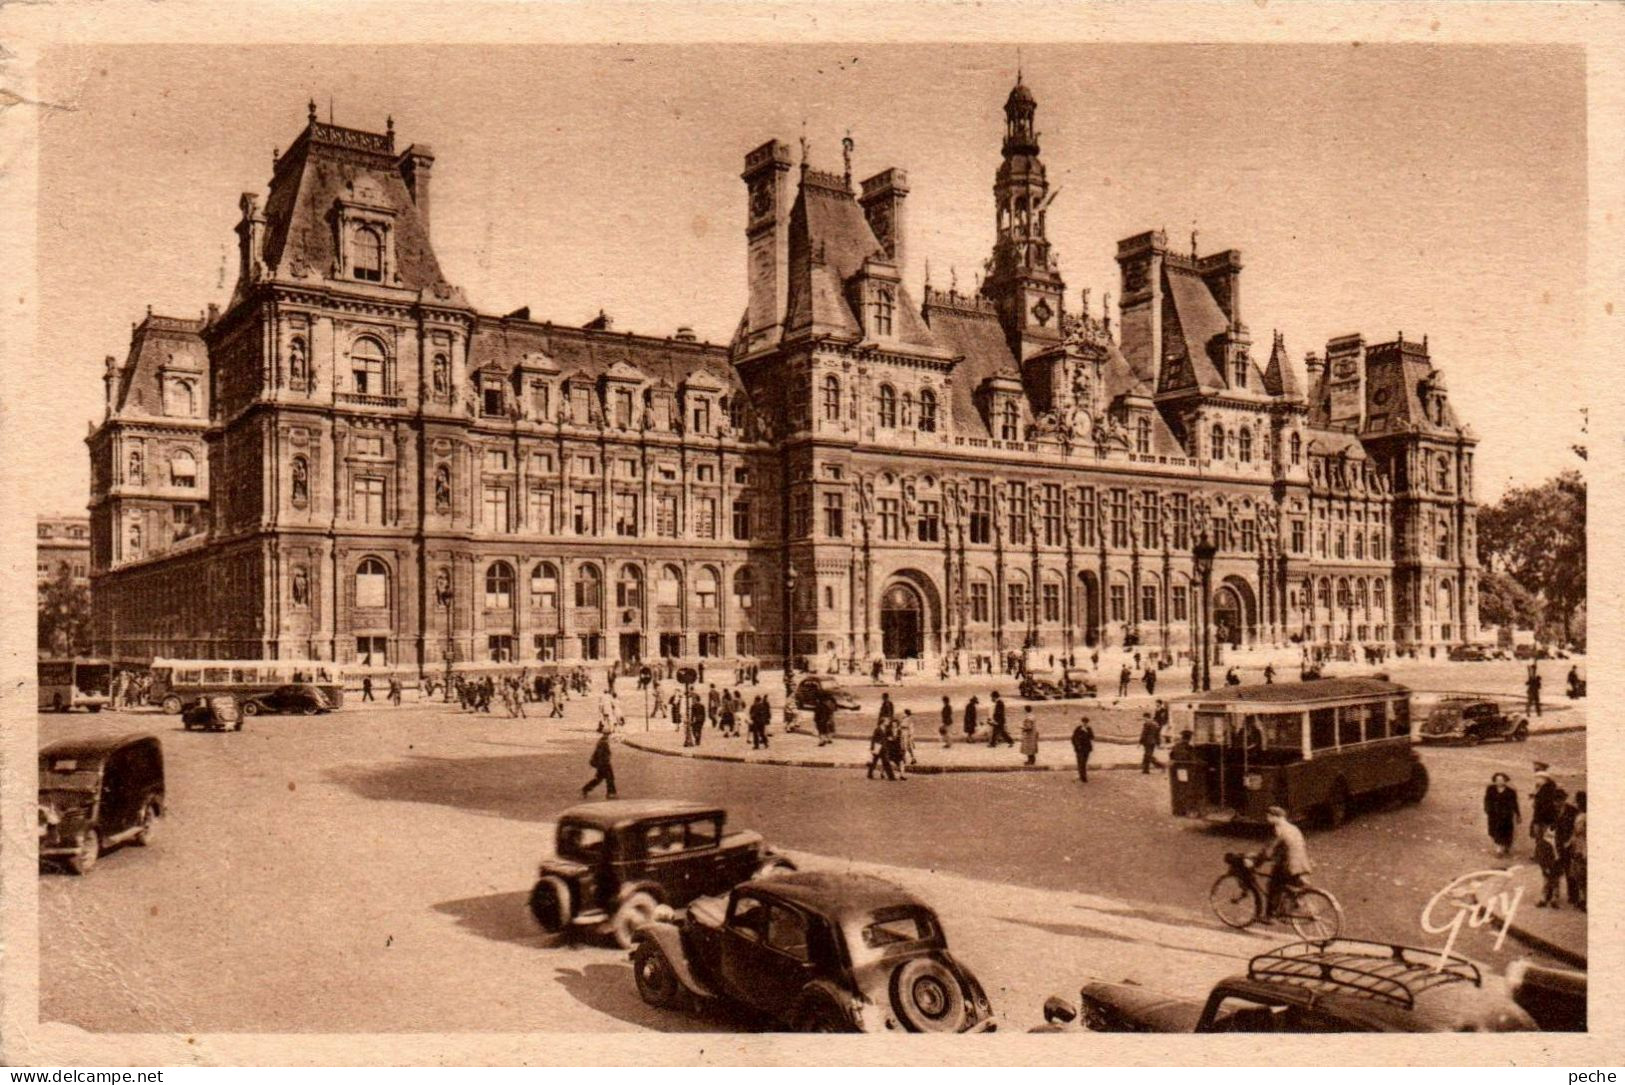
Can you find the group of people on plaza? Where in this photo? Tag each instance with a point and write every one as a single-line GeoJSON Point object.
{"type": "Point", "coordinates": [129, 689]}
{"type": "Point", "coordinates": [723, 710]}
{"type": "Point", "coordinates": [891, 746]}
{"type": "Point", "coordinates": [1557, 826]}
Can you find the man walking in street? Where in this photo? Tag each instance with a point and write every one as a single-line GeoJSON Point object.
{"type": "Point", "coordinates": [366, 687]}
{"type": "Point", "coordinates": [1083, 744]}
{"type": "Point", "coordinates": [603, 770]}
{"type": "Point", "coordinates": [946, 730]}
{"type": "Point", "coordinates": [1501, 812]}
{"type": "Point", "coordinates": [970, 719]}
{"type": "Point", "coordinates": [1124, 677]}
{"type": "Point", "coordinates": [1150, 735]}
{"type": "Point", "coordinates": [1532, 689]}
{"type": "Point", "coordinates": [1001, 728]}
{"type": "Point", "coordinates": [1029, 735]}
{"type": "Point", "coordinates": [880, 750]}
{"type": "Point", "coordinates": [1150, 681]}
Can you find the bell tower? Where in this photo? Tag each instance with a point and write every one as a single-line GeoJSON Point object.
{"type": "Point", "coordinates": [1022, 280]}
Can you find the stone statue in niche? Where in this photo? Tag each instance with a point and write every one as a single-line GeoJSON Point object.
{"type": "Point", "coordinates": [135, 467]}
{"type": "Point", "coordinates": [301, 587]}
{"type": "Point", "coordinates": [298, 366]}
{"type": "Point", "coordinates": [442, 587]}
{"type": "Point", "coordinates": [441, 376]}
{"type": "Point", "coordinates": [135, 539]}
{"type": "Point", "coordinates": [301, 482]}
{"type": "Point", "coordinates": [442, 489]}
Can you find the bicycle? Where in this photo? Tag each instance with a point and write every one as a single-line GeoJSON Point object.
{"type": "Point", "coordinates": [1238, 900]}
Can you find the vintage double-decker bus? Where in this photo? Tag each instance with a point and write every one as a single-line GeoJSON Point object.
{"type": "Point", "coordinates": [1311, 748]}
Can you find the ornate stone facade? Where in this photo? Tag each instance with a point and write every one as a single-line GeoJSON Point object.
{"type": "Point", "coordinates": [398, 478]}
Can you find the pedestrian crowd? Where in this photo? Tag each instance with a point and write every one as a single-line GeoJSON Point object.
{"type": "Point", "coordinates": [1557, 827]}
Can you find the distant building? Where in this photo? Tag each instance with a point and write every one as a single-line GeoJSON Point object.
{"type": "Point", "coordinates": [394, 478]}
{"type": "Point", "coordinates": [63, 545]}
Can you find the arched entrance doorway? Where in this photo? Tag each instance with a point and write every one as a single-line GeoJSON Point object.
{"type": "Point", "coordinates": [902, 622]}
{"type": "Point", "coordinates": [1235, 614]}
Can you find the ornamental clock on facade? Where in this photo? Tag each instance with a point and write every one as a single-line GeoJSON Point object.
{"type": "Point", "coordinates": [761, 199]}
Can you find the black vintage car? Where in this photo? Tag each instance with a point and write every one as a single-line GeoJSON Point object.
{"type": "Point", "coordinates": [213, 712]}
{"type": "Point", "coordinates": [95, 793]}
{"type": "Point", "coordinates": [1342, 985]}
{"type": "Point", "coordinates": [616, 862]}
{"type": "Point", "coordinates": [1470, 720]}
{"type": "Point", "coordinates": [810, 689]}
{"type": "Point", "coordinates": [815, 952]}
{"type": "Point", "coordinates": [304, 699]}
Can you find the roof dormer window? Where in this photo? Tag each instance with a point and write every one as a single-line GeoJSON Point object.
{"type": "Point", "coordinates": [368, 255]}
{"type": "Point", "coordinates": [885, 310]}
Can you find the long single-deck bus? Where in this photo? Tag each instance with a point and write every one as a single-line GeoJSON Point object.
{"type": "Point", "coordinates": [74, 683]}
{"type": "Point", "coordinates": [1307, 747]}
{"type": "Point", "coordinates": [177, 683]}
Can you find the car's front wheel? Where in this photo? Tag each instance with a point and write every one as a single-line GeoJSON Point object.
{"type": "Point", "coordinates": [251, 708]}
{"type": "Point", "coordinates": [90, 849]}
{"type": "Point", "coordinates": [819, 1012]}
{"type": "Point", "coordinates": [635, 911]}
{"type": "Point", "coordinates": [172, 704]}
{"type": "Point", "coordinates": [927, 996]}
{"type": "Point", "coordinates": [1520, 733]}
{"type": "Point", "coordinates": [550, 904]}
{"type": "Point", "coordinates": [655, 977]}
{"type": "Point", "coordinates": [149, 823]}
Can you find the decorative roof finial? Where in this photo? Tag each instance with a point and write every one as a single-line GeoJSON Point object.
{"type": "Point", "coordinates": [310, 110]}
{"type": "Point", "coordinates": [928, 273]}
{"type": "Point", "coordinates": [389, 124]}
{"type": "Point", "coordinates": [1018, 64]}
{"type": "Point", "coordinates": [804, 161]}
{"type": "Point", "coordinates": [1193, 239]}
{"type": "Point", "coordinates": [953, 279]}
{"type": "Point", "coordinates": [846, 155]}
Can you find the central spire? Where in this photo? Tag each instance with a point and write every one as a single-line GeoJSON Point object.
{"type": "Point", "coordinates": [1022, 280]}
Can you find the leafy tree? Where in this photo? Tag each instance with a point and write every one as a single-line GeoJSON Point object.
{"type": "Point", "coordinates": [1504, 601]}
{"type": "Point", "coordinates": [64, 616]}
{"type": "Point", "coordinates": [1536, 537]}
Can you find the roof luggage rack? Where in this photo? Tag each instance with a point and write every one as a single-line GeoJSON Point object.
{"type": "Point", "coordinates": [1378, 970]}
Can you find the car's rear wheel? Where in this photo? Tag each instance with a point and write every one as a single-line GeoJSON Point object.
{"type": "Point", "coordinates": [311, 709]}
{"type": "Point", "coordinates": [251, 708]}
{"type": "Point", "coordinates": [635, 911]}
{"type": "Point", "coordinates": [550, 904]}
{"type": "Point", "coordinates": [149, 823]}
{"type": "Point", "coordinates": [1234, 901]}
{"type": "Point", "coordinates": [927, 996]}
{"type": "Point", "coordinates": [819, 1013]}
{"type": "Point", "coordinates": [1520, 733]}
{"type": "Point", "coordinates": [656, 980]}
{"type": "Point", "coordinates": [90, 849]}
{"type": "Point", "coordinates": [172, 704]}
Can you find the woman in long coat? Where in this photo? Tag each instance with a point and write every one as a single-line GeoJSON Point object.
{"type": "Point", "coordinates": [1501, 811]}
{"type": "Point", "coordinates": [1029, 737]}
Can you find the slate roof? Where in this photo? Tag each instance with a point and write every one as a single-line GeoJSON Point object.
{"type": "Point", "coordinates": [502, 344]}
{"type": "Point", "coordinates": [1195, 319]}
{"type": "Point", "coordinates": [157, 342]}
{"type": "Point", "coordinates": [976, 334]}
{"type": "Point", "coordinates": [1395, 376]}
{"type": "Point", "coordinates": [1281, 377]}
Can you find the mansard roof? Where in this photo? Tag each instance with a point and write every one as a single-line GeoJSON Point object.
{"type": "Point", "coordinates": [1281, 377]}
{"type": "Point", "coordinates": [504, 343]}
{"type": "Point", "coordinates": [829, 241]}
{"type": "Point", "coordinates": [969, 326]}
{"type": "Point", "coordinates": [1397, 375]}
{"type": "Point", "coordinates": [1196, 321]}
{"type": "Point", "coordinates": [156, 344]}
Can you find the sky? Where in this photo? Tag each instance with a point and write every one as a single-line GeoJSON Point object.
{"type": "Point", "coordinates": [1437, 190]}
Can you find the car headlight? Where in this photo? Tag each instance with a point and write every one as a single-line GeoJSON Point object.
{"type": "Point", "coordinates": [1252, 781]}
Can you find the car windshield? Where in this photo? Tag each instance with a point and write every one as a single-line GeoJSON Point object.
{"type": "Point", "coordinates": [68, 774]}
{"type": "Point", "coordinates": [893, 928]}
{"type": "Point", "coordinates": [579, 841]}
{"type": "Point", "coordinates": [1446, 713]}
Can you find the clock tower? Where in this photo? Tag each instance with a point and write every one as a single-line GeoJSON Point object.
{"type": "Point", "coordinates": [767, 245]}
{"type": "Point", "coordinates": [1022, 280]}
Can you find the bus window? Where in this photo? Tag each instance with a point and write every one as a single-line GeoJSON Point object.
{"type": "Point", "coordinates": [1209, 728]}
{"type": "Point", "coordinates": [1377, 721]}
{"type": "Point", "coordinates": [1402, 717]}
{"type": "Point", "coordinates": [1283, 730]}
{"type": "Point", "coordinates": [1348, 724]}
{"type": "Point", "coordinates": [188, 676]}
{"type": "Point", "coordinates": [216, 676]}
{"type": "Point", "coordinates": [56, 674]}
{"type": "Point", "coordinates": [242, 676]}
{"type": "Point", "coordinates": [1323, 729]}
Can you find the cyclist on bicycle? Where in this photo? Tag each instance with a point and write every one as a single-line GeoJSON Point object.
{"type": "Point", "coordinates": [1291, 859]}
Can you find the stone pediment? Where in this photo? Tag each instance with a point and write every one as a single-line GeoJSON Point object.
{"type": "Point", "coordinates": [701, 381]}
{"type": "Point", "coordinates": [625, 371]}
{"type": "Point", "coordinates": [538, 362]}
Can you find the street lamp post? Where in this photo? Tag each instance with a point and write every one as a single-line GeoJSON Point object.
{"type": "Point", "coordinates": [444, 594]}
{"type": "Point", "coordinates": [1203, 553]}
{"type": "Point", "coordinates": [789, 619]}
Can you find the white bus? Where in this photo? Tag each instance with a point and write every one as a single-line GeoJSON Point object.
{"type": "Point", "coordinates": [74, 683]}
{"type": "Point", "coordinates": [176, 683]}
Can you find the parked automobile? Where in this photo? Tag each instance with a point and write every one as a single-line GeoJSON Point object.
{"type": "Point", "coordinates": [96, 793]}
{"type": "Point", "coordinates": [297, 698]}
{"type": "Point", "coordinates": [1469, 721]}
{"type": "Point", "coordinates": [1469, 653]}
{"type": "Point", "coordinates": [1529, 651]}
{"type": "Point", "coordinates": [1036, 687]}
{"type": "Point", "coordinates": [214, 712]}
{"type": "Point", "coordinates": [1078, 682]}
{"type": "Point", "coordinates": [616, 862]}
{"type": "Point", "coordinates": [1342, 985]}
{"type": "Point", "coordinates": [809, 689]}
{"type": "Point", "coordinates": [816, 952]}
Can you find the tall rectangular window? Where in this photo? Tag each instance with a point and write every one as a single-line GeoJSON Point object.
{"type": "Point", "coordinates": [1119, 603]}
{"type": "Point", "coordinates": [592, 645]}
{"type": "Point", "coordinates": [891, 518]}
{"type": "Point", "coordinates": [1148, 602]}
{"type": "Point", "coordinates": [741, 519]}
{"type": "Point", "coordinates": [929, 526]}
{"type": "Point", "coordinates": [1150, 520]}
{"type": "Point", "coordinates": [1090, 525]}
{"type": "Point", "coordinates": [1015, 594]}
{"type": "Point", "coordinates": [834, 516]}
{"type": "Point", "coordinates": [545, 646]}
{"type": "Point", "coordinates": [496, 459]}
{"type": "Point", "coordinates": [705, 518]}
{"type": "Point", "coordinates": [1018, 514]}
{"type": "Point", "coordinates": [1119, 510]}
{"type": "Point", "coordinates": [541, 511]}
{"type": "Point", "coordinates": [1052, 514]}
{"type": "Point", "coordinates": [801, 514]}
{"type": "Point", "coordinates": [1177, 604]}
{"type": "Point", "coordinates": [1298, 539]}
{"type": "Point", "coordinates": [368, 506]}
{"type": "Point", "coordinates": [666, 516]}
{"type": "Point", "coordinates": [623, 408]}
{"type": "Point", "coordinates": [584, 512]}
{"type": "Point", "coordinates": [372, 651]}
{"type": "Point", "coordinates": [702, 416]}
{"type": "Point", "coordinates": [1179, 511]}
{"type": "Point", "coordinates": [979, 597]}
{"type": "Point", "coordinates": [1052, 602]}
{"type": "Point", "coordinates": [981, 511]}
{"type": "Point", "coordinates": [499, 647]}
{"type": "Point", "coordinates": [496, 509]}
{"type": "Point", "coordinates": [1249, 536]}
{"type": "Point", "coordinates": [626, 514]}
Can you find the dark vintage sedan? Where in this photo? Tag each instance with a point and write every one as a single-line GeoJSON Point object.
{"type": "Point", "coordinates": [1470, 720]}
{"type": "Point", "coordinates": [213, 712]}
{"type": "Point", "coordinates": [288, 700]}
{"type": "Point", "coordinates": [616, 862]}
{"type": "Point", "coordinates": [814, 952]}
{"type": "Point", "coordinates": [810, 689]}
{"type": "Point", "coordinates": [1343, 985]}
{"type": "Point", "coordinates": [96, 793]}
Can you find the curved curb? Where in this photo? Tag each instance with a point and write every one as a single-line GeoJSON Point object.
{"type": "Point", "coordinates": [1547, 946]}
{"type": "Point", "coordinates": [914, 770]}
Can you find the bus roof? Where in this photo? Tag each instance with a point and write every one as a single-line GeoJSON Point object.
{"type": "Point", "coordinates": [1314, 691]}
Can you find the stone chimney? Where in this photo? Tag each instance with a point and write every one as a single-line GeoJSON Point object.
{"type": "Point", "coordinates": [883, 205]}
{"type": "Point", "coordinates": [415, 163]}
{"type": "Point", "coordinates": [767, 243]}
